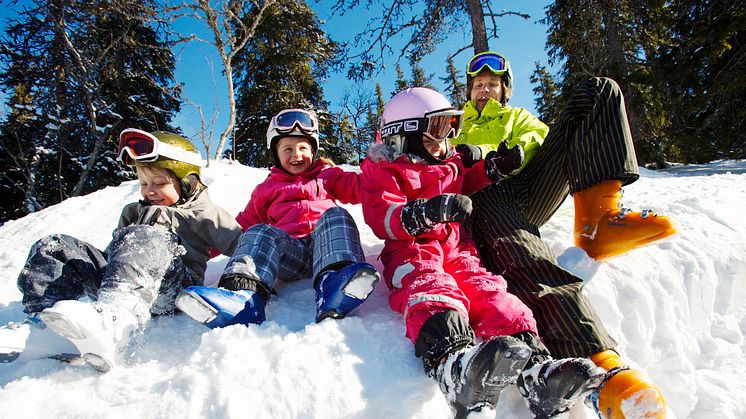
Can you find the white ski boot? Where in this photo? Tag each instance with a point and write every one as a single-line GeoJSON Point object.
{"type": "Point", "coordinates": [98, 330]}
{"type": "Point", "coordinates": [30, 339]}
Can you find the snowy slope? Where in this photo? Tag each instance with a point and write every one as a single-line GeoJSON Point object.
{"type": "Point", "coordinates": [677, 309]}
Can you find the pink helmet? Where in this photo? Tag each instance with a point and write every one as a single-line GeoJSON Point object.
{"type": "Point", "coordinates": [422, 111]}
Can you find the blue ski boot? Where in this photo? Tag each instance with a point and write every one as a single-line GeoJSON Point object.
{"type": "Point", "coordinates": [218, 307]}
{"type": "Point", "coordinates": [341, 291]}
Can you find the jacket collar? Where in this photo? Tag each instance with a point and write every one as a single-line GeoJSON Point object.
{"type": "Point", "coordinates": [310, 173]}
{"type": "Point", "coordinates": [492, 107]}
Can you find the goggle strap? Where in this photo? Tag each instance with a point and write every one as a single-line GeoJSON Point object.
{"type": "Point", "coordinates": [176, 153]}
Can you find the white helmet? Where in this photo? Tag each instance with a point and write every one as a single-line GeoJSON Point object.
{"type": "Point", "coordinates": [292, 123]}
{"type": "Point", "coordinates": [415, 112]}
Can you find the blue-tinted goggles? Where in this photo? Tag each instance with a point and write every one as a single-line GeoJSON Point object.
{"type": "Point", "coordinates": [492, 60]}
{"type": "Point", "coordinates": [286, 121]}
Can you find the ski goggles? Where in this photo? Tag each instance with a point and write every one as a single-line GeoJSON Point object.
{"type": "Point", "coordinates": [438, 125]}
{"type": "Point", "coordinates": [139, 146]}
{"type": "Point", "coordinates": [495, 62]}
{"type": "Point", "coordinates": [289, 119]}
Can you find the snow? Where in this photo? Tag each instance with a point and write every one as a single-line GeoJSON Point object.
{"type": "Point", "coordinates": [677, 309]}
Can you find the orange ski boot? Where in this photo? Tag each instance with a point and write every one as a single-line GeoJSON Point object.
{"type": "Point", "coordinates": [604, 229]}
{"type": "Point", "coordinates": [625, 393]}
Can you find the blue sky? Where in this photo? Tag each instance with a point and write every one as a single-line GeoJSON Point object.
{"type": "Point", "coordinates": [199, 67]}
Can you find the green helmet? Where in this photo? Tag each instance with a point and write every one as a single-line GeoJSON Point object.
{"type": "Point", "coordinates": [181, 169]}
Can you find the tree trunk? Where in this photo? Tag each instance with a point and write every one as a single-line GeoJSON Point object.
{"type": "Point", "coordinates": [478, 31]}
{"type": "Point", "coordinates": [619, 67]}
{"type": "Point", "coordinates": [231, 106]}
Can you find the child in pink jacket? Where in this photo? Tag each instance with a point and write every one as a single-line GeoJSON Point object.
{"type": "Point", "coordinates": [293, 229]}
{"type": "Point", "coordinates": [414, 195]}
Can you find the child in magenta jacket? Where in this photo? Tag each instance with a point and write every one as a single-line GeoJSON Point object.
{"type": "Point", "coordinates": [293, 229]}
{"type": "Point", "coordinates": [414, 196]}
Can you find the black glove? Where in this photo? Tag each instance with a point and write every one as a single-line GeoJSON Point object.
{"type": "Point", "coordinates": [420, 215]}
{"type": "Point", "coordinates": [503, 162]}
{"type": "Point", "coordinates": [469, 154]}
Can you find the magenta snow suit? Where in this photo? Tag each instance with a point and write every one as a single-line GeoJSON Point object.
{"type": "Point", "coordinates": [438, 270]}
{"type": "Point", "coordinates": [294, 203]}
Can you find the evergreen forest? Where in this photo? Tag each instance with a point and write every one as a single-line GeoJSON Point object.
{"type": "Point", "coordinates": [75, 73]}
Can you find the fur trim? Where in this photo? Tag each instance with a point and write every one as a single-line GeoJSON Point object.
{"type": "Point", "coordinates": [382, 152]}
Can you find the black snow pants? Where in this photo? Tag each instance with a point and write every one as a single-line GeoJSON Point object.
{"type": "Point", "coordinates": [591, 143]}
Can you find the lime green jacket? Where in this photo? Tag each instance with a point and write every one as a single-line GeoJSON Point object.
{"type": "Point", "coordinates": [498, 123]}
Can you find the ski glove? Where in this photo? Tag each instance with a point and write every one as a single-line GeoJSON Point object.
{"type": "Point", "coordinates": [421, 215]}
{"type": "Point", "coordinates": [503, 162]}
{"type": "Point", "coordinates": [469, 154]}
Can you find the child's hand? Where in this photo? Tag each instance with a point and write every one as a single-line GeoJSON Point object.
{"type": "Point", "coordinates": [503, 162]}
{"type": "Point", "coordinates": [469, 154]}
{"type": "Point", "coordinates": [420, 215]}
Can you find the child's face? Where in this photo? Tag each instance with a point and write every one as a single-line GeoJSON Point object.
{"type": "Point", "coordinates": [295, 154]}
{"type": "Point", "coordinates": [486, 85]}
{"type": "Point", "coordinates": [434, 147]}
{"type": "Point", "coordinates": [158, 186]}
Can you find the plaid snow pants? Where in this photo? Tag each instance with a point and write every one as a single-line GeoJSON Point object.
{"type": "Point", "coordinates": [141, 262]}
{"type": "Point", "coordinates": [267, 253]}
{"type": "Point", "coordinates": [591, 143]}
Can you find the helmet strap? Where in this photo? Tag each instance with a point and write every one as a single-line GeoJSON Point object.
{"type": "Point", "coordinates": [189, 186]}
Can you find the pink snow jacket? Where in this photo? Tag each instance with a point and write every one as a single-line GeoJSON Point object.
{"type": "Point", "coordinates": [437, 270]}
{"type": "Point", "coordinates": [294, 203]}
{"type": "Point", "coordinates": [393, 180]}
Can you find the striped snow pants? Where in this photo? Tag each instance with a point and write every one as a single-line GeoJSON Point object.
{"type": "Point", "coordinates": [267, 253]}
{"type": "Point", "coordinates": [591, 143]}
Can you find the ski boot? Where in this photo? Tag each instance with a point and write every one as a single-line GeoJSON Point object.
{"type": "Point", "coordinates": [98, 330]}
{"type": "Point", "coordinates": [604, 229]}
{"type": "Point", "coordinates": [341, 291]}
{"type": "Point", "coordinates": [218, 307]}
{"type": "Point", "coordinates": [555, 385]}
{"type": "Point", "coordinates": [473, 377]}
{"type": "Point", "coordinates": [625, 392]}
{"type": "Point", "coordinates": [30, 339]}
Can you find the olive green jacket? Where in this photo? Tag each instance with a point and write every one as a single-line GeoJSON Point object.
{"type": "Point", "coordinates": [497, 123]}
{"type": "Point", "coordinates": [199, 223]}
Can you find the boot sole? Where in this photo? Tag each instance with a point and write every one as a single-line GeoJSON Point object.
{"type": "Point", "coordinates": [509, 358]}
{"type": "Point", "coordinates": [361, 285]}
{"type": "Point", "coordinates": [61, 325]}
{"type": "Point", "coordinates": [64, 327]}
{"type": "Point", "coordinates": [196, 307]}
{"type": "Point", "coordinates": [97, 362]}
{"type": "Point", "coordinates": [508, 364]}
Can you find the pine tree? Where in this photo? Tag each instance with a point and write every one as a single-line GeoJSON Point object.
{"type": "Point", "coordinates": [280, 67]}
{"type": "Point", "coordinates": [454, 86]}
{"type": "Point", "coordinates": [703, 70]}
{"type": "Point", "coordinates": [545, 93]}
{"type": "Point", "coordinates": [81, 71]}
